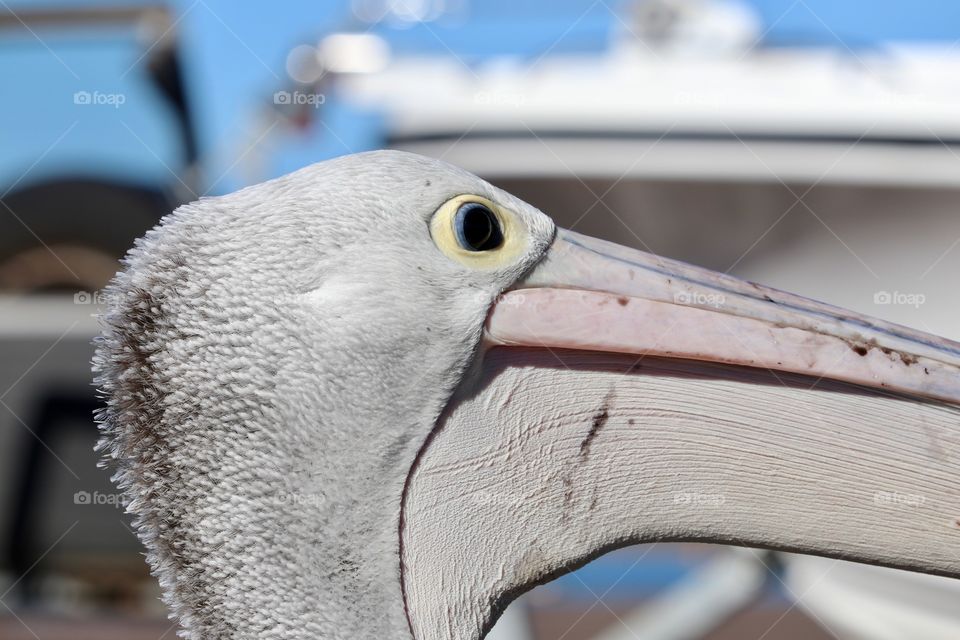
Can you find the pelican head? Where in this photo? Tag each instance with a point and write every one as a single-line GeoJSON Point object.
{"type": "Point", "coordinates": [381, 398]}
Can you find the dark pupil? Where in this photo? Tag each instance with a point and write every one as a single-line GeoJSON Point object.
{"type": "Point", "coordinates": [477, 228]}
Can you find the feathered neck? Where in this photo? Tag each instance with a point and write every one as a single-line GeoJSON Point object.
{"type": "Point", "coordinates": [266, 488]}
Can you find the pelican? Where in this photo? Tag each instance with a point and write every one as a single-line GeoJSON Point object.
{"type": "Point", "coordinates": [381, 398]}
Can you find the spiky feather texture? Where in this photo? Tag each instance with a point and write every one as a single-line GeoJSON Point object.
{"type": "Point", "coordinates": [272, 361]}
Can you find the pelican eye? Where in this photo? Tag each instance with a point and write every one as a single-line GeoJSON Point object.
{"type": "Point", "coordinates": [477, 228]}
{"type": "Point", "coordinates": [478, 232]}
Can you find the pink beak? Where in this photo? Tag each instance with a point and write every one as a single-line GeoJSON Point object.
{"type": "Point", "coordinates": [588, 294]}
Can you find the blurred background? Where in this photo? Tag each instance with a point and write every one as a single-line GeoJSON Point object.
{"type": "Point", "coordinates": [811, 145]}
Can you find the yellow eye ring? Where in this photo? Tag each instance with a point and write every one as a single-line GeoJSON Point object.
{"type": "Point", "coordinates": [477, 232]}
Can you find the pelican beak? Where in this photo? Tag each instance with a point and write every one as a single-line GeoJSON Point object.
{"type": "Point", "coordinates": [844, 426]}
{"type": "Point", "coordinates": [625, 398]}
{"type": "Point", "coordinates": [593, 295]}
